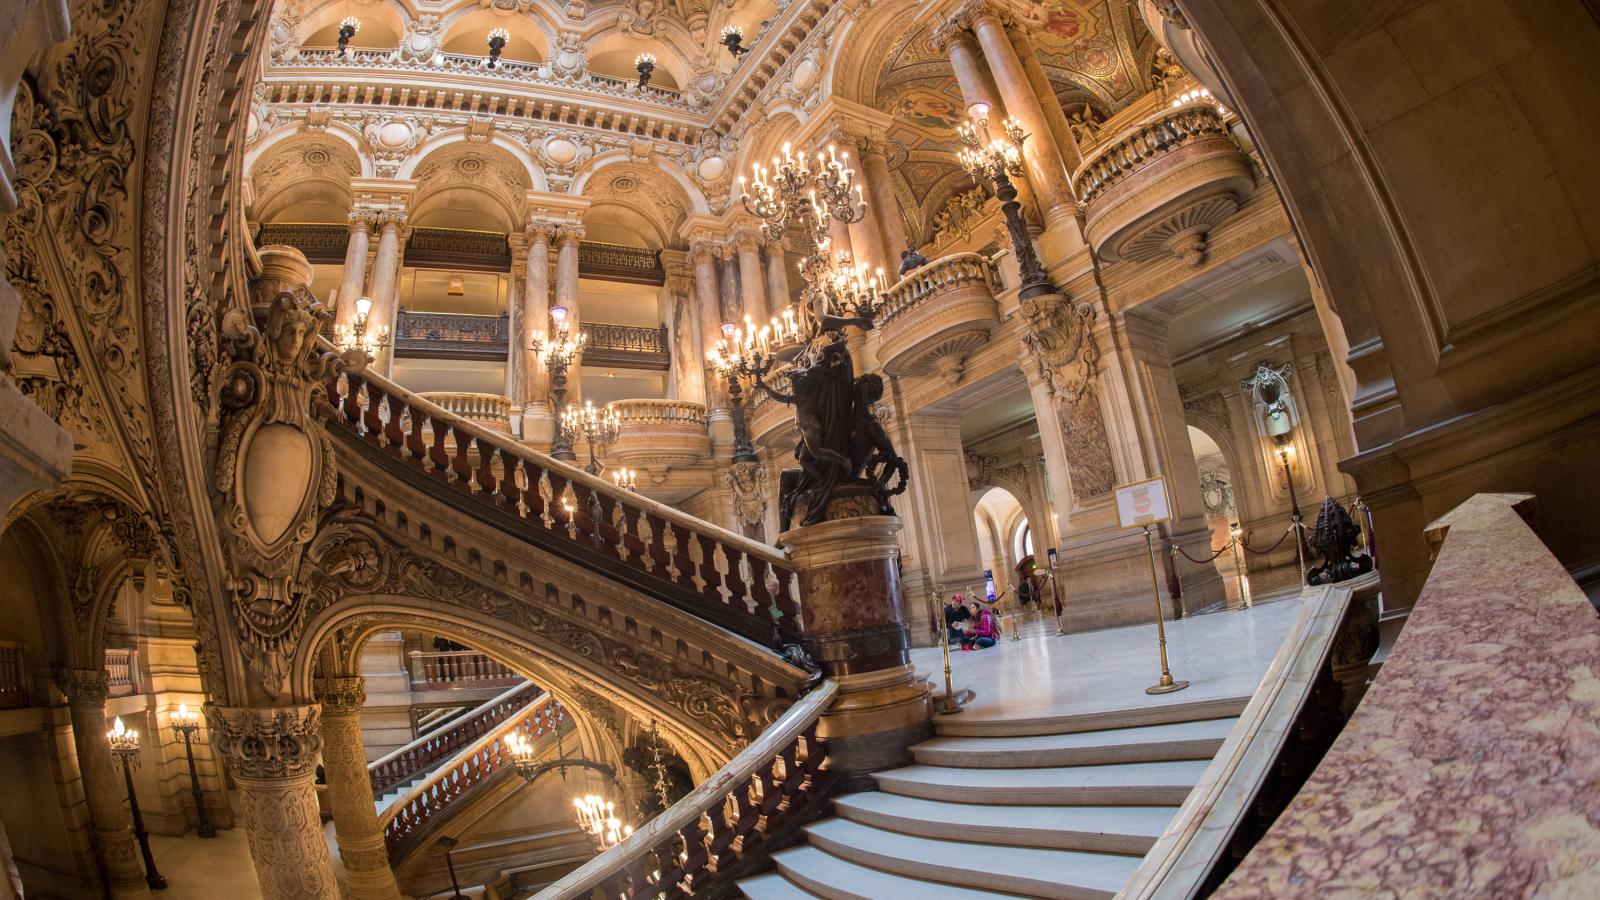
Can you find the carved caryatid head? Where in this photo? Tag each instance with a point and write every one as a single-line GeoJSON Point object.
{"type": "Point", "coordinates": [291, 324]}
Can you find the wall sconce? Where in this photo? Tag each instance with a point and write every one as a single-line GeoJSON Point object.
{"type": "Point", "coordinates": [355, 337]}
{"type": "Point", "coordinates": [497, 44]}
{"type": "Point", "coordinates": [458, 285]}
{"type": "Point", "coordinates": [347, 30]}
{"type": "Point", "coordinates": [733, 39]}
{"type": "Point", "coordinates": [646, 64]}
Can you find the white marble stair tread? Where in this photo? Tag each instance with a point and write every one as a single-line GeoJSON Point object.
{"type": "Point", "coordinates": [773, 886]}
{"type": "Point", "coordinates": [1096, 829]}
{"type": "Point", "coordinates": [1200, 739]}
{"type": "Point", "coordinates": [1038, 720]}
{"type": "Point", "coordinates": [829, 876]}
{"type": "Point", "coordinates": [1120, 784]}
{"type": "Point", "coordinates": [1023, 870]}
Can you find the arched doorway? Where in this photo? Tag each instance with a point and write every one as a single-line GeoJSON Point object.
{"type": "Point", "coordinates": [1222, 514]}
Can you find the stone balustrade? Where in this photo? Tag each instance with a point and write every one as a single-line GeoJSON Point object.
{"type": "Point", "coordinates": [771, 786]}
{"type": "Point", "coordinates": [450, 669]}
{"type": "Point", "coordinates": [402, 764]}
{"type": "Point", "coordinates": [122, 671]}
{"type": "Point", "coordinates": [1161, 185]}
{"type": "Point", "coordinates": [491, 410]}
{"type": "Point", "coordinates": [508, 70]}
{"type": "Point", "coordinates": [657, 435]}
{"type": "Point", "coordinates": [937, 315]}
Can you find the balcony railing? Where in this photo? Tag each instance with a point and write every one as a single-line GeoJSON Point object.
{"type": "Point", "coordinates": [456, 669]}
{"type": "Point", "coordinates": [508, 70]}
{"type": "Point", "coordinates": [617, 262]}
{"type": "Point", "coordinates": [451, 335]}
{"type": "Point", "coordinates": [13, 675]}
{"type": "Point", "coordinates": [492, 410]}
{"type": "Point", "coordinates": [658, 413]}
{"type": "Point", "coordinates": [411, 816]}
{"type": "Point", "coordinates": [422, 754]}
{"type": "Point", "coordinates": [939, 314]}
{"type": "Point", "coordinates": [658, 435]}
{"type": "Point", "coordinates": [1155, 137]}
{"type": "Point", "coordinates": [628, 346]}
{"type": "Point", "coordinates": [775, 782]}
{"type": "Point", "coordinates": [122, 671]}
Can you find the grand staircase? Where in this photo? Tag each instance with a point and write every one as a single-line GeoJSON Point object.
{"type": "Point", "coordinates": [1043, 807]}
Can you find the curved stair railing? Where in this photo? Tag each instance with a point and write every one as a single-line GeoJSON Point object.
{"type": "Point", "coordinates": [422, 808]}
{"type": "Point", "coordinates": [725, 828]}
{"type": "Point", "coordinates": [401, 765]}
{"type": "Point", "coordinates": [726, 579]}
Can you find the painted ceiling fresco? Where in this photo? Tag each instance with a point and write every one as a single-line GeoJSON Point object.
{"type": "Point", "coordinates": [1097, 53]}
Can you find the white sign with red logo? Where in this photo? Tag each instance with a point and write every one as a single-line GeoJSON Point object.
{"type": "Point", "coordinates": [1143, 503]}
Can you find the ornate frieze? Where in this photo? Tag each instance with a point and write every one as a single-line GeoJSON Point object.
{"type": "Point", "coordinates": [341, 695]}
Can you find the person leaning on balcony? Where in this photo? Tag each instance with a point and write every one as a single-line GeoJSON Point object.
{"type": "Point", "coordinates": [910, 259]}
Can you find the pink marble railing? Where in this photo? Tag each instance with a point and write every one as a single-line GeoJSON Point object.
{"type": "Point", "coordinates": [943, 274]}
{"type": "Point", "coordinates": [769, 786]}
{"type": "Point", "coordinates": [1156, 136]}
{"type": "Point", "coordinates": [410, 817]}
{"type": "Point", "coordinates": [446, 670]}
{"type": "Point", "coordinates": [427, 751]}
{"type": "Point", "coordinates": [721, 577]}
{"type": "Point", "coordinates": [1472, 767]}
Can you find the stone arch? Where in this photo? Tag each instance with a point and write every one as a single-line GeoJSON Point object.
{"type": "Point", "coordinates": [484, 175]}
{"type": "Point", "coordinates": [686, 189]}
{"type": "Point", "coordinates": [637, 195]}
{"type": "Point", "coordinates": [671, 44]}
{"type": "Point", "coordinates": [852, 70]}
{"type": "Point", "coordinates": [306, 176]}
{"type": "Point", "coordinates": [339, 131]}
{"type": "Point", "coordinates": [530, 35]}
{"type": "Point", "coordinates": [766, 140]}
{"type": "Point", "coordinates": [450, 140]}
{"type": "Point", "coordinates": [322, 21]}
{"type": "Point", "coordinates": [1206, 419]}
{"type": "Point", "coordinates": [355, 619]}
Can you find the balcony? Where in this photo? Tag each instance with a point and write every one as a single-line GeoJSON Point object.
{"type": "Point", "coordinates": [658, 435]}
{"type": "Point", "coordinates": [489, 410]}
{"type": "Point", "coordinates": [626, 346]}
{"type": "Point", "coordinates": [935, 317]}
{"type": "Point", "coordinates": [451, 336]}
{"type": "Point", "coordinates": [1161, 186]}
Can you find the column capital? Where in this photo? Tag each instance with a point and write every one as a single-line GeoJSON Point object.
{"type": "Point", "coordinates": [969, 14]}
{"type": "Point", "coordinates": [362, 218]}
{"type": "Point", "coordinates": [747, 240]}
{"type": "Point", "coordinates": [389, 218]}
{"type": "Point", "coordinates": [270, 743]}
{"type": "Point", "coordinates": [83, 687]}
{"type": "Point", "coordinates": [341, 696]}
{"type": "Point", "coordinates": [569, 232]}
{"type": "Point", "coordinates": [539, 229]}
{"type": "Point", "coordinates": [951, 33]}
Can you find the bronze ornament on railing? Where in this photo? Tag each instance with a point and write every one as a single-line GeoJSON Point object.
{"type": "Point", "coordinates": [420, 755]}
{"type": "Point", "coordinates": [723, 578]}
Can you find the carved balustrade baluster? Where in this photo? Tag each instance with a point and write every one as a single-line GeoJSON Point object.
{"type": "Point", "coordinates": [485, 474]}
{"type": "Point", "coordinates": [510, 490]}
{"type": "Point", "coordinates": [582, 512]}
{"type": "Point", "coordinates": [681, 558]}
{"type": "Point", "coordinates": [738, 589]}
{"type": "Point", "coordinates": [414, 442]}
{"type": "Point", "coordinates": [560, 518]}
{"type": "Point", "coordinates": [695, 853]}
{"type": "Point", "coordinates": [606, 538]}
{"type": "Point", "coordinates": [460, 461]}
{"type": "Point", "coordinates": [708, 567]}
{"type": "Point", "coordinates": [532, 500]}
{"type": "Point", "coordinates": [393, 436]}
{"type": "Point", "coordinates": [372, 422]}
{"type": "Point", "coordinates": [437, 455]}
{"type": "Point", "coordinates": [632, 542]}
{"type": "Point", "coordinates": [719, 843]}
{"type": "Point", "coordinates": [352, 397]}
{"type": "Point", "coordinates": [656, 547]}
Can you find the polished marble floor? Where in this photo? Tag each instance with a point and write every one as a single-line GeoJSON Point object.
{"type": "Point", "coordinates": [1222, 654]}
{"type": "Point", "coordinates": [206, 869]}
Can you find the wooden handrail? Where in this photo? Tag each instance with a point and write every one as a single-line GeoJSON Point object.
{"type": "Point", "coordinates": [724, 578]}
{"type": "Point", "coordinates": [718, 823]}
{"type": "Point", "coordinates": [403, 764]}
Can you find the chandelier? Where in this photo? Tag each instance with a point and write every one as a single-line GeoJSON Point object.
{"type": "Point", "coordinates": [597, 426]}
{"type": "Point", "coordinates": [997, 158]}
{"type": "Point", "coordinates": [595, 811]}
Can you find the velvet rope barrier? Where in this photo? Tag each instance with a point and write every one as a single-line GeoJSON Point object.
{"type": "Point", "coordinates": [1248, 549]}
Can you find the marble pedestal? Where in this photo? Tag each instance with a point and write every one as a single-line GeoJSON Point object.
{"type": "Point", "coordinates": [852, 622]}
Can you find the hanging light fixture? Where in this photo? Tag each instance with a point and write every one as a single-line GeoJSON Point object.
{"type": "Point", "coordinates": [497, 44]}
{"type": "Point", "coordinates": [646, 64]}
{"type": "Point", "coordinates": [595, 811]}
{"type": "Point", "coordinates": [348, 27]}
{"type": "Point", "coordinates": [733, 39]}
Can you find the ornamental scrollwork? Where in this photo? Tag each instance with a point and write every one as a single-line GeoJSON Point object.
{"type": "Point", "coordinates": [269, 743]}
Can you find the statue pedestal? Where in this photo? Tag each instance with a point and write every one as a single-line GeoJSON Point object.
{"type": "Point", "coordinates": [853, 624]}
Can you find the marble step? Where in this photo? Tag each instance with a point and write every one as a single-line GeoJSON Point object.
{"type": "Point", "coordinates": [773, 886]}
{"type": "Point", "coordinates": [829, 876]}
{"type": "Point", "coordinates": [1000, 724]}
{"type": "Point", "coordinates": [1200, 739]}
{"type": "Point", "coordinates": [1119, 784]}
{"type": "Point", "coordinates": [1020, 870]}
{"type": "Point", "coordinates": [1096, 829]}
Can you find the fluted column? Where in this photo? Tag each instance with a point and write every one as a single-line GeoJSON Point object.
{"type": "Point", "coordinates": [708, 303]}
{"type": "Point", "coordinates": [536, 322]}
{"type": "Point", "coordinates": [384, 284]}
{"type": "Point", "coordinates": [272, 756]}
{"type": "Point", "coordinates": [355, 265]}
{"type": "Point", "coordinates": [752, 281]}
{"type": "Point", "coordinates": [568, 236]}
{"type": "Point", "coordinates": [688, 357]}
{"type": "Point", "coordinates": [1046, 172]}
{"type": "Point", "coordinates": [355, 821]}
{"type": "Point", "coordinates": [885, 210]}
{"type": "Point", "coordinates": [104, 790]}
{"type": "Point", "coordinates": [777, 278]}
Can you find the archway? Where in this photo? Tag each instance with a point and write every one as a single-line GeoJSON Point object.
{"type": "Point", "coordinates": [1217, 482]}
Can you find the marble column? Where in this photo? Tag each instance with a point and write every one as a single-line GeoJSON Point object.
{"type": "Point", "coordinates": [1040, 156]}
{"type": "Point", "coordinates": [853, 624]}
{"type": "Point", "coordinates": [708, 304]}
{"type": "Point", "coordinates": [272, 755]}
{"type": "Point", "coordinates": [777, 278]}
{"type": "Point", "coordinates": [103, 786]}
{"type": "Point", "coordinates": [1055, 117]}
{"type": "Point", "coordinates": [688, 357]}
{"type": "Point", "coordinates": [728, 282]}
{"type": "Point", "coordinates": [536, 412]}
{"type": "Point", "coordinates": [976, 85]}
{"type": "Point", "coordinates": [885, 210]}
{"type": "Point", "coordinates": [355, 821]}
{"type": "Point", "coordinates": [752, 281]}
{"type": "Point", "coordinates": [516, 328]}
{"type": "Point", "coordinates": [383, 287]}
{"type": "Point", "coordinates": [568, 236]}
{"type": "Point", "coordinates": [355, 265]}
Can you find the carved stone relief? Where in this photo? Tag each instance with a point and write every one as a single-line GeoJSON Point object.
{"type": "Point", "coordinates": [1059, 342]}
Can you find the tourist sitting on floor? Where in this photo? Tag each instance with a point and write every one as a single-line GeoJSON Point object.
{"type": "Point", "coordinates": [982, 630]}
{"type": "Point", "coordinates": [956, 615]}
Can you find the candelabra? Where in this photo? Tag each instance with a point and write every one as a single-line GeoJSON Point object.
{"type": "Point", "coordinates": [627, 479]}
{"type": "Point", "coordinates": [595, 813]}
{"type": "Point", "coordinates": [646, 64]}
{"type": "Point", "coordinates": [997, 158]}
{"type": "Point", "coordinates": [187, 724]}
{"type": "Point", "coordinates": [348, 26]}
{"type": "Point", "coordinates": [355, 336]}
{"type": "Point", "coordinates": [560, 350]}
{"type": "Point", "coordinates": [597, 427]}
{"type": "Point", "coordinates": [748, 354]}
{"type": "Point", "coordinates": [497, 44]}
{"type": "Point", "coordinates": [125, 746]}
{"type": "Point", "coordinates": [733, 39]}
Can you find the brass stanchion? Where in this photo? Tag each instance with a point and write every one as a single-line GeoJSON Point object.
{"type": "Point", "coordinates": [1298, 528]}
{"type": "Point", "coordinates": [1166, 685]}
{"type": "Point", "coordinates": [1176, 578]}
{"type": "Point", "coordinates": [1055, 592]}
{"type": "Point", "coordinates": [948, 705]}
